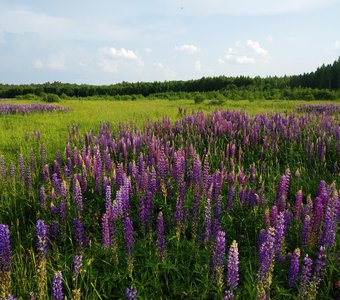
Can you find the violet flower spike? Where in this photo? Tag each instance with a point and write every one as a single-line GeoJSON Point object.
{"type": "Point", "coordinates": [232, 274]}
{"type": "Point", "coordinates": [57, 288]}
{"type": "Point", "coordinates": [294, 268]}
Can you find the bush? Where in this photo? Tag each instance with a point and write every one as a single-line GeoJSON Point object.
{"type": "Point", "coordinates": [49, 98]}
{"type": "Point", "coordinates": [199, 98]}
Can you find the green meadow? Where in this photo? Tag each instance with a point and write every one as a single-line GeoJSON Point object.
{"type": "Point", "coordinates": [88, 113]}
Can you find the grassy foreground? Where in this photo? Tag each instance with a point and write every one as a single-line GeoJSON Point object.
{"type": "Point", "coordinates": [246, 203]}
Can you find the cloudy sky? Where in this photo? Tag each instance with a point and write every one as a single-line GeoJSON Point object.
{"type": "Point", "coordinates": [109, 41]}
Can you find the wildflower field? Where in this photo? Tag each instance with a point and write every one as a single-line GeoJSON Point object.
{"type": "Point", "coordinates": [170, 200]}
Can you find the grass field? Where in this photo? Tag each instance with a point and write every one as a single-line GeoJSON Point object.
{"type": "Point", "coordinates": [87, 114]}
{"type": "Point", "coordinates": [211, 202]}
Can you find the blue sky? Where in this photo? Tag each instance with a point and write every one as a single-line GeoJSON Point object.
{"type": "Point", "coordinates": [109, 41]}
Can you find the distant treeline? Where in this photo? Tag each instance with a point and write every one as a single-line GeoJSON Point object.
{"type": "Point", "coordinates": [323, 84]}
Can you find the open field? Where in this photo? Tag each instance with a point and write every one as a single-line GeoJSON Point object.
{"type": "Point", "coordinates": [201, 201]}
{"type": "Point", "coordinates": [87, 114]}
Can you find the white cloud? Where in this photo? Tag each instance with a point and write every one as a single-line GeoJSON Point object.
{"type": "Point", "coordinates": [221, 61]}
{"type": "Point", "coordinates": [241, 59]}
{"type": "Point", "coordinates": [337, 45]}
{"type": "Point", "coordinates": [255, 46]}
{"type": "Point", "coordinates": [38, 64]}
{"type": "Point", "coordinates": [112, 59]}
{"type": "Point", "coordinates": [148, 50]}
{"type": "Point", "coordinates": [159, 65]}
{"type": "Point", "coordinates": [198, 66]}
{"type": "Point", "coordinates": [56, 62]}
{"type": "Point", "coordinates": [120, 53]}
{"type": "Point", "coordinates": [189, 49]}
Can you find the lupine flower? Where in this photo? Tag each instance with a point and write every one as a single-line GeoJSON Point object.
{"type": "Point", "coordinates": [273, 216]}
{"type": "Point", "coordinates": [54, 230]}
{"type": "Point", "coordinates": [131, 293]}
{"type": "Point", "coordinates": [5, 261]}
{"type": "Point", "coordinates": [106, 231]}
{"type": "Point", "coordinates": [305, 231]}
{"type": "Point", "coordinates": [160, 236]}
{"type": "Point", "coordinates": [79, 233]}
{"type": "Point", "coordinates": [10, 297]}
{"type": "Point", "coordinates": [279, 235]}
{"type": "Point", "coordinates": [294, 268]}
{"type": "Point", "coordinates": [207, 221]}
{"type": "Point", "coordinates": [305, 277]}
{"type": "Point", "coordinates": [267, 252]}
{"type": "Point", "coordinates": [298, 205]}
{"type": "Point", "coordinates": [78, 263]}
{"type": "Point", "coordinates": [57, 288]}
{"type": "Point", "coordinates": [331, 221]}
{"type": "Point", "coordinates": [78, 197]}
{"type": "Point", "coordinates": [42, 197]}
{"type": "Point", "coordinates": [232, 275]}
{"type": "Point", "coordinates": [228, 295]}
{"type": "Point", "coordinates": [41, 239]}
{"type": "Point", "coordinates": [129, 243]}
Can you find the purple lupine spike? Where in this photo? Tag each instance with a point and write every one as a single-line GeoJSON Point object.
{"type": "Point", "coordinates": [298, 205]}
{"type": "Point", "coordinates": [228, 295]}
{"type": "Point", "coordinates": [160, 243]}
{"type": "Point", "coordinates": [79, 233]}
{"type": "Point", "coordinates": [266, 219]}
{"type": "Point", "coordinates": [3, 168]}
{"type": "Point", "coordinates": [196, 170]}
{"type": "Point", "coordinates": [218, 257]}
{"type": "Point", "coordinates": [153, 181]}
{"type": "Point", "coordinates": [207, 221]}
{"type": "Point", "coordinates": [62, 210]}
{"type": "Point", "coordinates": [78, 196]}
{"type": "Point", "coordinates": [231, 195]}
{"type": "Point", "coordinates": [78, 263]}
{"type": "Point", "coordinates": [41, 239]}
{"type": "Point", "coordinates": [279, 235]}
{"type": "Point", "coordinates": [42, 197]}
{"type": "Point", "coordinates": [5, 255]}
{"type": "Point", "coordinates": [22, 168]}
{"type": "Point", "coordinates": [131, 293]}
{"type": "Point", "coordinates": [108, 200]}
{"type": "Point", "coordinates": [54, 230]}
{"type": "Point", "coordinates": [320, 264]}
{"type": "Point", "coordinates": [317, 217]}
{"type": "Point", "coordinates": [331, 221]}
{"type": "Point", "coordinates": [294, 268]}
{"type": "Point", "coordinates": [305, 277]}
{"type": "Point", "coordinates": [306, 227]}
{"type": "Point", "coordinates": [29, 180]}
{"type": "Point", "coordinates": [43, 154]}
{"type": "Point", "coordinates": [195, 214]}
{"type": "Point", "coordinates": [12, 171]}
{"type": "Point", "coordinates": [266, 253]}
{"type": "Point", "coordinates": [232, 274]}
{"type": "Point", "coordinates": [128, 235]}
{"type": "Point", "coordinates": [11, 297]}
{"type": "Point", "coordinates": [57, 288]}
{"type": "Point", "coordinates": [273, 216]}
{"type": "Point", "coordinates": [106, 231]}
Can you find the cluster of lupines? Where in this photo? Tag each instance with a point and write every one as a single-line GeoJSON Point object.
{"type": "Point", "coordinates": [8, 109]}
{"type": "Point", "coordinates": [168, 176]}
{"type": "Point", "coordinates": [5, 261]}
{"type": "Point", "coordinates": [319, 108]}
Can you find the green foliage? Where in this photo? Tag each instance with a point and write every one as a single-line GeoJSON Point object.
{"type": "Point", "coordinates": [50, 98]}
{"type": "Point", "coordinates": [199, 98]}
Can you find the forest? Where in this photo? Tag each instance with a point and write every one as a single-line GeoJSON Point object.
{"type": "Point", "coordinates": [322, 84]}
